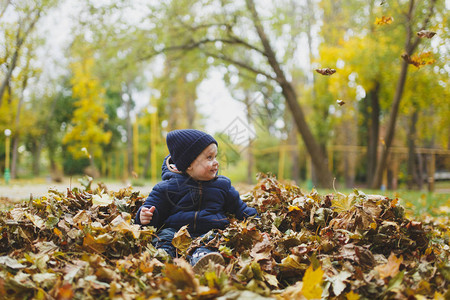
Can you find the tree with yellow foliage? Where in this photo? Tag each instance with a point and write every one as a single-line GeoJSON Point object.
{"type": "Point", "coordinates": [86, 134]}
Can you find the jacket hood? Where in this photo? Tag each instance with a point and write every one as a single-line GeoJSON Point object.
{"type": "Point", "coordinates": [167, 171]}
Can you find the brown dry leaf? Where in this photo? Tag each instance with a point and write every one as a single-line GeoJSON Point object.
{"type": "Point", "coordinates": [261, 250]}
{"type": "Point", "coordinates": [391, 268]}
{"type": "Point", "coordinates": [292, 262]}
{"type": "Point", "coordinates": [293, 292]}
{"type": "Point", "coordinates": [426, 34]}
{"type": "Point", "coordinates": [119, 224]}
{"type": "Point", "coordinates": [92, 243]}
{"type": "Point", "coordinates": [326, 71]}
{"type": "Point", "coordinates": [81, 218]}
{"type": "Point", "coordinates": [65, 292]}
{"type": "Point", "coordinates": [340, 102]}
{"type": "Point", "coordinates": [181, 275]}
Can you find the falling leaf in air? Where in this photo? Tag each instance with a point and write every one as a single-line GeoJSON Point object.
{"type": "Point", "coordinates": [326, 71]}
{"type": "Point", "coordinates": [340, 102]}
{"type": "Point", "coordinates": [384, 20]}
{"type": "Point", "coordinates": [426, 34]}
{"type": "Point", "coordinates": [423, 59]}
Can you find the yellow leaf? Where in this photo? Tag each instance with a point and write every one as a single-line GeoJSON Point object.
{"type": "Point", "coordinates": [384, 20]}
{"type": "Point", "coordinates": [119, 224]}
{"type": "Point", "coordinates": [182, 239]}
{"type": "Point", "coordinates": [394, 202]}
{"type": "Point", "coordinates": [312, 281]}
{"type": "Point", "coordinates": [352, 296]}
{"type": "Point", "coordinates": [293, 207]}
{"type": "Point", "coordinates": [58, 232]}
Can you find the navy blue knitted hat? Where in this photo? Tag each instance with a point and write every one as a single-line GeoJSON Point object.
{"type": "Point", "coordinates": [186, 144]}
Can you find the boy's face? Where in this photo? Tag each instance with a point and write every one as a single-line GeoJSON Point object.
{"type": "Point", "coordinates": [205, 166]}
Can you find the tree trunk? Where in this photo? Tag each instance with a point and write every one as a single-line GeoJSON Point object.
{"type": "Point", "coordinates": [420, 170]}
{"type": "Point", "coordinates": [15, 142]}
{"type": "Point", "coordinates": [36, 160]}
{"type": "Point", "coordinates": [317, 156]}
{"type": "Point", "coordinates": [147, 162]}
{"type": "Point", "coordinates": [14, 154]}
{"type": "Point", "coordinates": [190, 111]}
{"type": "Point", "coordinates": [20, 39]}
{"type": "Point", "coordinates": [128, 107]}
{"type": "Point", "coordinates": [250, 157]}
{"type": "Point", "coordinates": [410, 46]}
{"type": "Point", "coordinates": [412, 174]}
{"type": "Point", "coordinates": [8, 76]}
{"type": "Point", "coordinates": [374, 128]}
{"type": "Point", "coordinates": [292, 138]}
{"type": "Point", "coordinates": [390, 131]}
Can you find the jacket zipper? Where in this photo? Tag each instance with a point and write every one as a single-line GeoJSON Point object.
{"type": "Point", "coordinates": [200, 193]}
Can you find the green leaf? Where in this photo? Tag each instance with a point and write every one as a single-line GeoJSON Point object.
{"type": "Point", "coordinates": [396, 281]}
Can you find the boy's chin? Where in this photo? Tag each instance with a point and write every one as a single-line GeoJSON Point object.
{"type": "Point", "coordinates": [206, 178]}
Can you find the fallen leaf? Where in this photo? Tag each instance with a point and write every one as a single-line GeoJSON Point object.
{"type": "Point", "coordinates": [391, 268]}
{"type": "Point", "coordinates": [352, 296]}
{"type": "Point", "coordinates": [65, 292]}
{"type": "Point", "coordinates": [312, 282]}
{"type": "Point", "coordinates": [102, 199]}
{"type": "Point", "coordinates": [11, 263]}
{"type": "Point", "coordinates": [338, 282]}
{"type": "Point", "coordinates": [182, 239]}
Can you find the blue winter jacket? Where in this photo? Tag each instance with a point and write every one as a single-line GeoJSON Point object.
{"type": "Point", "coordinates": [180, 200]}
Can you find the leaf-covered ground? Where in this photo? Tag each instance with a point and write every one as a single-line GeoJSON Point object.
{"type": "Point", "coordinates": [82, 244]}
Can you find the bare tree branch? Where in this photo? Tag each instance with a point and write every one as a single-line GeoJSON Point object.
{"type": "Point", "coordinates": [240, 64]}
{"type": "Point", "coordinates": [317, 155]}
{"type": "Point", "coordinates": [4, 6]}
{"type": "Point", "coordinates": [20, 39]}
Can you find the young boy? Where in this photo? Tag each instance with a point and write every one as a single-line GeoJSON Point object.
{"type": "Point", "coordinates": [191, 193]}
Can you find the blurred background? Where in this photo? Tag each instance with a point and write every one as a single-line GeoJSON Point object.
{"type": "Point", "coordinates": [327, 94]}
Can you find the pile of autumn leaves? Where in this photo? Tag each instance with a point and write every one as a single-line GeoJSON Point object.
{"type": "Point", "coordinates": [83, 244]}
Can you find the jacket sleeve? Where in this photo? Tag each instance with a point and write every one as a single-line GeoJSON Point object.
{"type": "Point", "coordinates": [156, 198]}
{"type": "Point", "coordinates": [236, 206]}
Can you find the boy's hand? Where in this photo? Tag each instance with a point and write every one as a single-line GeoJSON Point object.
{"type": "Point", "coordinates": [146, 215]}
